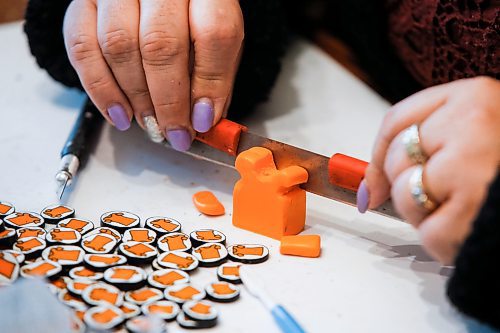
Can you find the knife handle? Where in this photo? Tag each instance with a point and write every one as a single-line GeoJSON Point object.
{"type": "Point", "coordinates": [224, 136]}
{"type": "Point", "coordinates": [346, 172]}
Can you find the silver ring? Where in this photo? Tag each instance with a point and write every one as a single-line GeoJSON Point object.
{"type": "Point", "coordinates": [411, 141]}
{"type": "Point", "coordinates": [417, 189]}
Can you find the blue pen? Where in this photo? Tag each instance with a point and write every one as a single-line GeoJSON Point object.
{"type": "Point", "coordinates": [283, 318]}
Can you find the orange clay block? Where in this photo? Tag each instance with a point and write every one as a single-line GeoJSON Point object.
{"type": "Point", "coordinates": [207, 203]}
{"type": "Point", "coordinates": [301, 245]}
{"type": "Point", "coordinates": [266, 200]}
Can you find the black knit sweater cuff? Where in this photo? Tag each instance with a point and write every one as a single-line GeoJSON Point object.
{"type": "Point", "coordinates": [474, 287]}
{"type": "Point", "coordinates": [266, 37]}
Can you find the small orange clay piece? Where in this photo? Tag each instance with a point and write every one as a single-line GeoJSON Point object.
{"type": "Point", "coordinates": [266, 200]}
{"type": "Point", "coordinates": [207, 203]}
{"type": "Point", "coordinates": [301, 245]}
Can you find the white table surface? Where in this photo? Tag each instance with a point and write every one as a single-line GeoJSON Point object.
{"type": "Point", "coordinates": [373, 275]}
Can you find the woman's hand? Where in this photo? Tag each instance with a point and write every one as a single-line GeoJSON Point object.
{"type": "Point", "coordinates": [172, 59]}
{"type": "Point", "coordinates": [459, 125]}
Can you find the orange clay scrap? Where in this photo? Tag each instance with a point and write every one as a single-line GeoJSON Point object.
{"type": "Point", "coordinates": [301, 245]}
{"type": "Point", "coordinates": [207, 203]}
{"type": "Point", "coordinates": [266, 200]}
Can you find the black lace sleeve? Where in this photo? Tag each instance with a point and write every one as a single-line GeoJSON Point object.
{"type": "Point", "coordinates": [265, 42]}
{"type": "Point", "coordinates": [474, 287]}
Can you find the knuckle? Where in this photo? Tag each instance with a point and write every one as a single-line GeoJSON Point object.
{"type": "Point", "coordinates": [81, 48]}
{"type": "Point", "coordinates": [167, 106]}
{"type": "Point", "coordinates": [222, 34]}
{"type": "Point", "coordinates": [118, 45]}
{"type": "Point", "coordinates": [159, 48]}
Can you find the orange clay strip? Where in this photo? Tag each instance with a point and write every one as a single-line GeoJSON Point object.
{"type": "Point", "coordinates": [301, 245]}
{"type": "Point", "coordinates": [208, 204]}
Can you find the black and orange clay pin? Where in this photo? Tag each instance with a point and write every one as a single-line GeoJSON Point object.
{"type": "Point", "coordinates": [176, 241]}
{"type": "Point", "coordinates": [188, 323]}
{"type": "Point", "coordinates": [31, 232]}
{"type": "Point", "coordinates": [76, 287]}
{"type": "Point", "coordinates": [165, 278]}
{"type": "Point", "coordinates": [56, 213]}
{"type": "Point", "coordinates": [73, 302]}
{"type": "Point", "coordinates": [183, 293]}
{"type": "Point", "coordinates": [200, 310]}
{"type": "Point", "coordinates": [210, 254]}
{"type": "Point", "coordinates": [63, 236]}
{"type": "Point", "coordinates": [20, 257]}
{"type": "Point", "coordinates": [23, 220]}
{"type": "Point", "coordinates": [82, 226]}
{"type": "Point", "coordinates": [202, 236]}
{"type": "Point", "coordinates": [107, 231]}
{"type": "Point", "coordinates": [125, 277]}
{"type": "Point", "coordinates": [142, 235]}
{"type": "Point", "coordinates": [248, 253]}
{"type": "Point", "coordinates": [143, 295]}
{"type": "Point", "coordinates": [162, 225]}
{"type": "Point", "coordinates": [9, 268]}
{"type": "Point", "coordinates": [101, 262]}
{"type": "Point", "coordinates": [120, 220]}
{"type": "Point", "coordinates": [166, 310]}
{"type": "Point", "coordinates": [41, 269]}
{"type": "Point", "coordinates": [229, 272]}
{"type": "Point", "coordinates": [6, 208]}
{"type": "Point", "coordinates": [138, 253]}
{"type": "Point", "coordinates": [7, 238]}
{"type": "Point", "coordinates": [67, 256]}
{"type": "Point", "coordinates": [130, 310]}
{"type": "Point", "coordinates": [178, 260]}
{"type": "Point", "coordinates": [223, 292]}
{"type": "Point", "coordinates": [100, 243]}
{"type": "Point", "coordinates": [31, 247]}
{"type": "Point", "coordinates": [102, 294]}
{"type": "Point", "coordinates": [82, 272]}
{"type": "Point", "coordinates": [103, 318]}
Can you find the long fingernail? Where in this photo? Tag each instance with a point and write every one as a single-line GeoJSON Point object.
{"type": "Point", "coordinates": [202, 117]}
{"type": "Point", "coordinates": [119, 117]}
{"type": "Point", "coordinates": [179, 139]}
{"type": "Point", "coordinates": [362, 198]}
{"type": "Point", "coordinates": [153, 129]}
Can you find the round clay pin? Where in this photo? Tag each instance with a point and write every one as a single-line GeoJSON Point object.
{"type": "Point", "coordinates": [6, 208]}
{"type": "Point", "coordinates": [102, 294]}
{"type": "Point", "coordinates": [99, 243]}
{"type": "Point", "coordinates": [210, 254]}
{"type": "Point", "coordinates": [7, 238]}
{"type": "Point", "coordinates": [162, 225]}
{"type": "Point", "coordinates": [82, 272]}
{"type": "Point", "coordinates": [103, 317]}
{"type": "Point", "coordinates": [82, 226]}
{"type": "Point", "coordinates": [130, 310]}
{"type": "Point", "coordinates": [165, 278]}
{"type": "Point", "coordinates": [200, 310]}
{"type": "Point", "coordinates": [138, 253]}
{"type": "Point", "coordinates": [107, 231]}
{"type": "Point", "coordinates": [187, 323]}
{"type": "Point", "coordinates": [64, 236]}
{"type": "Point", "coordinates": [176, 241]}
{"type": "Point", "coordinates": [31, 232]}
{"type": "Point", "coordinates": [229, 272]}
{"type": "Point", "coordinates": [101, 262]}
{"type": "Point", "coordinates": [166, 310]}
{"type": "Point", "coordinates": [142, 324]}
{"type": "Point", "coordinates": [120, 221]}
{"type": "Point", "coordinates": [20, 257]}
{"type": "Point", "coordinates": [125, 277]}
{"type": "Point", "coordinates": [41, 269]}
{"type": "Point", "coordinates": [182, 293]}
{"type": "Point", "coordinates": [203, 236]}
{"type": "Point", "coordinates": [76, 287]}
{"type": "Point", "coordinates": [31, 247]}
{"type": "Point", "coordinates": [67, 256]}
{"type": "Point", "coordinates": [141, 235]}
{"type": "Point", "coordinates": [143, 295]}
{"type": "Point", "coordinates": [56, 213]}
{"type": "Point", "coordinates": [178, 260]}
{"type": "Point", "coordinates": [74, 302]}
{"type": "Point", "coordinates": [9, 268]}
{"type": "Point", "coordinates": [248, 253]}
{"type": "Point", "coordinates": [23, 220]}
{"type": "Point", "coordinates": [224, 292]}
{"type": "Point", "coordinates": [60, 282]}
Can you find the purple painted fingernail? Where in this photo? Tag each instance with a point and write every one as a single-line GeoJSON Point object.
{"type": "Point", "coordinates": [362, 198]}
{"type": "Point", "coordinates": [179, 139]}
{"type": "Point", "coordinates": [119, 117]}
{"type": "Point", "coordinates": [202, 117]}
